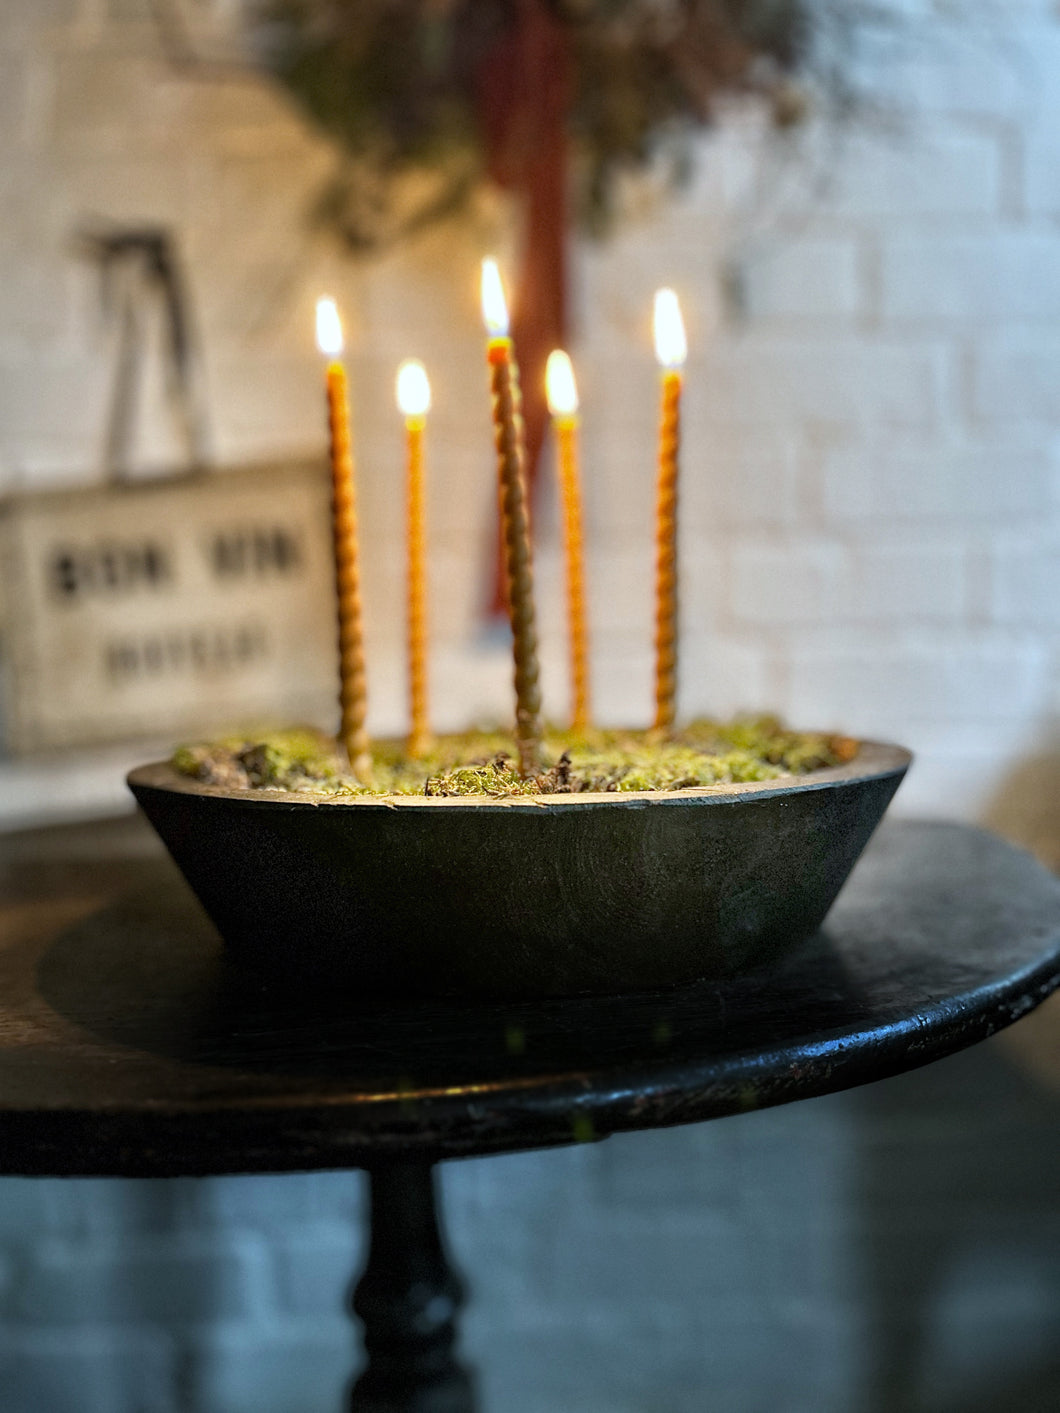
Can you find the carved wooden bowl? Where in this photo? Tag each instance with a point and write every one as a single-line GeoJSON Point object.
{"type": "Point", "coordinates": [528, 897]}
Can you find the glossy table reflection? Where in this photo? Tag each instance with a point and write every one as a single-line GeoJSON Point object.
{"type": "Point", "coordinates": [127, 1046]}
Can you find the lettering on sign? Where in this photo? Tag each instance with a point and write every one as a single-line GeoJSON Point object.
{"type": "Point", "coordinates": [169, 608]}
{"type": "Point", "coordinates": [255, 552]}
{"type": "Point", "coordinates": [76, 571]}
{"type": "Point", "coordinates": [208, 649]}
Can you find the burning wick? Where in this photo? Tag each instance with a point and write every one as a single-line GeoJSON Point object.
{"type": "Point", "coordinates": [353, 697]}
{"type": "Point", "coordinates": [414, 401]}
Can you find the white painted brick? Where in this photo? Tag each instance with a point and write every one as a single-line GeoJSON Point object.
{"type": "Point", "coordinates": [961, 785]}
{"type": "Point", "coordinates": [760, 380]}
{"type": "Point", "coordinates": [66, 424]}
{"type": "Point", "coordinates": [619, 457]}
{"type": "Point", "coordinates": [15, 78]}
{"type": "Point", "coordinates": [623, 681]}
{"type": "Point", "coordinates": [90, 1209]}
{"type": "Point", "coordinates": [87, 1371]}
{"type": "Point", "coordinates": [789, 583]}
{"type": "Point", "coordinates": [161, 1279]}
{"type": "Point", "coordinates": [721, 675]}
{"type": "Point", "coordinates": [817, 582]}
{"type": "Point", "coordinates": [30, 24]}
{"type": "Point", "coordinates": [901, 582]}
{"type": "Point", "coordinates": [242, 114]}
{"type": "Point", "coordinates": [268, 1199]}
{"type": "Point", "coordinates": [964, 478]}
{"type": "Point", "coordinates": [315, 1264]}
{"type": "Point", "coordinates": [265, 406]}
{"type": "Point", "coordinates": [267, 195]}
{"type": "Point", "coordinates": [939, 171]}
{"type": "Point", "coordinates": [621, 589]}
{"type": "Point", "coordinates": [735, 479]}
{"type": "Point", "coordinates": [1042, 192]}
{"type": "Point", "coordinates": [104, 102]}
{"type": "Point", "coordinates": [302, 1364]}
{"type": "Point", "coordinates": [34, 307]}
{"type": "Point", "coordinates": [804, 279]}
{"type": "Point", "coordinates": [881, 686]}
{"type": "Point", "coordinates": [970, 61]}
{"type": "Point", "coordinates": [126, 190]}
{"type": "Point", "coordinates": [1026, 582]}
{"type": "Point", "coordinates": [1016, 377]}
{"type": "Point", "coordinates": [971, 279]}
{"type": "Point", "coordinates": [676, 246]}
{"type": "Point", "coordinates": [702, 571]}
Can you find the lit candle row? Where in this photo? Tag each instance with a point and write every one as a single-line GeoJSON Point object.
{"type": "Point", "coordinates": [413, 394]}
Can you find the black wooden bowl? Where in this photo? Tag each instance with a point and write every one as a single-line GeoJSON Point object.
{"type": "Point", "coordinates": [527, 897]}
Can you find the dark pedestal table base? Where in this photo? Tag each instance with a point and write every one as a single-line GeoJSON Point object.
{"type": "Point", "coordinates": [408, 1299]}
{"type": "Point", "coordinates": [129, 1045]}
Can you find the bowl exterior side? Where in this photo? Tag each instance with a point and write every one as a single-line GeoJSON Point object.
{"type": "Point", "coordinates": [517, 904]}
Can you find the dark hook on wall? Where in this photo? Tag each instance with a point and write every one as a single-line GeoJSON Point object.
{"type": "Point", "coordinates": [139, 265]}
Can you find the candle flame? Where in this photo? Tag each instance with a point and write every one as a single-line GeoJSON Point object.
{"type": "Point", "coordinates": [494, 307]}
{"type": "Point", "coordinates": [671, 346]}
{"type": "Point", "coordinates": [560, 385]}
{"type": "Point", "coordinates": [329, 328]}
{"type": "Point", "coordinates": [413, 389]}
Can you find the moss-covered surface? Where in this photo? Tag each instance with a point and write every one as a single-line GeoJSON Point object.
{"type": "Point", "coordinates": [483, 763]}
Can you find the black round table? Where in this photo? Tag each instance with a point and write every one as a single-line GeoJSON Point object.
{"type": "Point", "coordinates": [128, 1046]}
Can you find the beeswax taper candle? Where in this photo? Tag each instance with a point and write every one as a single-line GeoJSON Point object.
{"type": "Point", "coordinates": [670, 350]}
{"type": "Point", "coordinates": [353, 696]}
{"type": "Point", "coordinates": [563, 405]}
{"type": "Point", "coordinates": [414, 401]}
{"type": "Point", "coordinates": [508, 438]}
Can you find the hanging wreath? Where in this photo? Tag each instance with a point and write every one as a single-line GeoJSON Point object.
{"type": "Point", "coordinates": [452, 90]}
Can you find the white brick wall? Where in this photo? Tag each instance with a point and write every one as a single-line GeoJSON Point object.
{"type": "Point", "coordinates": [871, 540]}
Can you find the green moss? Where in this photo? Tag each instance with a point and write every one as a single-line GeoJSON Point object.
{"type": "Point", "coordinates": [482, 763]}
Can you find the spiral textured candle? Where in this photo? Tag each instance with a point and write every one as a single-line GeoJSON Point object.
{"type": "Point", "coordinates": [671, 349]}
{"type": "Point", "coordinates": [562, 393]}
{"type": "Point", "coordinates": [507, 425]}
{"type": "Point", "coordinates": [567, 433]}
{"type": "Point", "coordinates": [353, 696]}
{"type": "Point", "coordinates": [419, 741]}
{"type": "Point", "coordinates": [666, 554]}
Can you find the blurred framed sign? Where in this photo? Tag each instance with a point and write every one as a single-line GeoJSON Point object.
{"type": "Point", "coordinates": [167, 607]}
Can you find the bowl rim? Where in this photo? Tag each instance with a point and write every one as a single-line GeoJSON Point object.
{"type": "Point", "coordinates": [875, 759]}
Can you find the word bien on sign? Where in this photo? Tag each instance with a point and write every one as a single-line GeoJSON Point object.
{"type": "Point", "coordinates": [167, 607]}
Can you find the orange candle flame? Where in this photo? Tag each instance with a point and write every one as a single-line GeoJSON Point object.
{"type": "Point", "coordinates": [671, 345]}
{"type": "Point", "coordinates": [494, 305]}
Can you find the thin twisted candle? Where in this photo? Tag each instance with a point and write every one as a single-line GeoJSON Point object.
{"type": "Point", "coordinates": [567, 436]}
{"type": "Point", "coordinates": [353, 696]}
{"type": "Point", "coordinates": [666, 554]}
{"type": "Point", "coordinates": [419, 741]}
{"type": "Point", "coordinates": [507, 425]}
